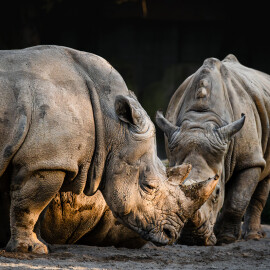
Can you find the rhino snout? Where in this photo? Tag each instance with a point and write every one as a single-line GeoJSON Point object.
{"type": "Point", "coordinates": [166, 236]}
{"type": "Point", "coordinates": [211, 240]}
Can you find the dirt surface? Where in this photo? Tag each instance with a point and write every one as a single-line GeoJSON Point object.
{"type": "Point", "coordinates": [241, 255]}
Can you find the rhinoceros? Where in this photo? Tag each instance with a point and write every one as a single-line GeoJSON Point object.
{"type": "Point", "coordinates": [69, 123]}
{"type": "Point", "coordinates": [204, 125]}
{"type": "Point", "coordinates": [72, 218]}
{"type": "Point", "coordinates": [75, 218]}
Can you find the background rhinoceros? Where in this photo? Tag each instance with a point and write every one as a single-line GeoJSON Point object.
{"type": "Point", "coordinates": [75, 218]}
{"type": "Point", "coordinates": [69, 123]}
{"type": "Point", "coordinates": [72, 218]}
{"type": "Point", "coordinates": [201, 121]}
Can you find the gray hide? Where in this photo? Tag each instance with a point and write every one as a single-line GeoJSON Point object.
{"type": "Point", "coordinates": [218, 120]}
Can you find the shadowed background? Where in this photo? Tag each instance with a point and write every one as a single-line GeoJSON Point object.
{"type": "Point", "coordinates": [154, 44]}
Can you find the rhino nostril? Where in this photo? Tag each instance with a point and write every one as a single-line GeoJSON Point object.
{"type": "Point", "coordinates": [168, 233]}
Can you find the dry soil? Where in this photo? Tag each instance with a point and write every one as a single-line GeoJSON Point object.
{"type": "Point", "coordinates": [248, 255]}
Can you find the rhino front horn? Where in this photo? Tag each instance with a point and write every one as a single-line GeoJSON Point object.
{"type": "Point", "coordinates": [198, 193]}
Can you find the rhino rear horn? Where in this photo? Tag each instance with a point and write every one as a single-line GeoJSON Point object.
{"type": "Point", "coordinates": [167, 127]}
{"type": "Point", "coordinates": [177, 174]}
{"type": "Point", "coordinates": [198, 193]}
{"type": "Point", "coordinates": [227, 132]}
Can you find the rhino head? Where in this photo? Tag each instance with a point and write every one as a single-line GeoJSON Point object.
{"type": "Point", "coordinates": [136, 186]}
{"type": "Point", "coordinates": [200, 135]}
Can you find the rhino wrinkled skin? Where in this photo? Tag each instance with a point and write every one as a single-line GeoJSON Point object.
{"type": "Point", "coordinates": [72, 218]}
{"type": "Point", "coordinates": [218, 120]}
{"type": "Point", "coordinates": [69, 123]}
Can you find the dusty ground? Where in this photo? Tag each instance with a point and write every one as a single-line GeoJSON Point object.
{"type": "Point", "coordinates": [248, 255]}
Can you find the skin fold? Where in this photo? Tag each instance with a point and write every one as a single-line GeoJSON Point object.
{"type": "Point", "coordinates": [218, 121]}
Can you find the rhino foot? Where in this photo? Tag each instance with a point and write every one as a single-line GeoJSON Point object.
{"type": "Point", "coordinates": [229, 234]}
{"type": "Point", "coordinates": [226, 239]}
{"type": "Point", "coordinates": [29, 245]}
{"type": "Point", "coordinates": [254, 234]}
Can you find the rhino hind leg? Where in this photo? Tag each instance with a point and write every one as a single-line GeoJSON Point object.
{"type": "Point", "coordinates": [238, 195]}
{"type": "Point", "coordinates": [252, 220]}
{"type": "Point", "coordinates": [27, 202]}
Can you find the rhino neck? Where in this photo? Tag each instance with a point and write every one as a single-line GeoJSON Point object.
{"type": "Point", "coordinates": [109, 134]}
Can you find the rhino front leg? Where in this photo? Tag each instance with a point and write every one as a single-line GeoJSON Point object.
{"type": "Point", "coordinates": [252, 221]}
{"type": "Point", "coordinates": [238, 194]}
{"type": "Point", "coordinates": [28, 199]}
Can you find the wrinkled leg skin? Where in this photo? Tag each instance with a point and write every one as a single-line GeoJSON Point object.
{"type": "Point", "coordinates": [27, 202]}
{"type": "Point", "coordinates": [238, 194]}
{"type": "Point", "coordinates": [252, 220]}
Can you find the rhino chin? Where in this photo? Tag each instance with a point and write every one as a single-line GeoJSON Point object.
{"type": "Point", "coordinates": [166, 236]}
{"type": "Point", "coordinates": [202, 235]}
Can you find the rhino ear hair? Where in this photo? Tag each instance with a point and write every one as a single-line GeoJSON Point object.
{"type": "Point", "coordinates": [126, 111]}
{"type": "Point", "coordinates": [227, 132]}
{"type": "Point", "coordinates": [167, 127]}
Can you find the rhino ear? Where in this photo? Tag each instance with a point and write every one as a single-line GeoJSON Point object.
{"type": "Point", "coordinates": [167, 127]}
{"type": "Point", "coordinates": [198, 193]}
{"type": "Point", "coordinates": [231, 58]}
{"type": "Point", "coordinates": [226, 133]}
{"type": "Point", "coordinates": [127, 111]}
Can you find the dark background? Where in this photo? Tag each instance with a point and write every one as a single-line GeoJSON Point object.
{"type": "Point", "coordinates": [154, 44]}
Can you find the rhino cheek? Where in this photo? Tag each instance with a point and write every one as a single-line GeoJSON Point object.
{"type": "Point", "coordinates": [120, 193]}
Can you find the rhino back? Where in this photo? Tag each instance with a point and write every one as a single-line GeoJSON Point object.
{"type": "Point", "coordinates": [62, 131]}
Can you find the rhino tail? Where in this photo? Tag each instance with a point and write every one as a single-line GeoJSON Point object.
{"type": "Point", "coordinates": [17, 137]}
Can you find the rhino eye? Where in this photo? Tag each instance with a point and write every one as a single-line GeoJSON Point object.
{"type": "Point", "coordinates": [147, 186]}
{"type": "Point", "coordinates": [215, 197]}
{"type": "Point", "coordinates": [149, 189]}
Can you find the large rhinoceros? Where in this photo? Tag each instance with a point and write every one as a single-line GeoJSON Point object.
{"type": "Point", "coordinates": [202, 118]}
{"type": "Point", "coordinates": [75, 218]}
{"type": "Point", "coordinates": [72, 218]}
{"type": "Point", "coordinates": [69, 123]}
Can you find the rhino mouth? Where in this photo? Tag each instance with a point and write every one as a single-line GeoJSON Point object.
{"type": "Point", "coordinates": [160, 233]}
{"type": "Point", "coordinates": [166, 235]}
{"type": "Point", "coordinates": [202, 235]}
